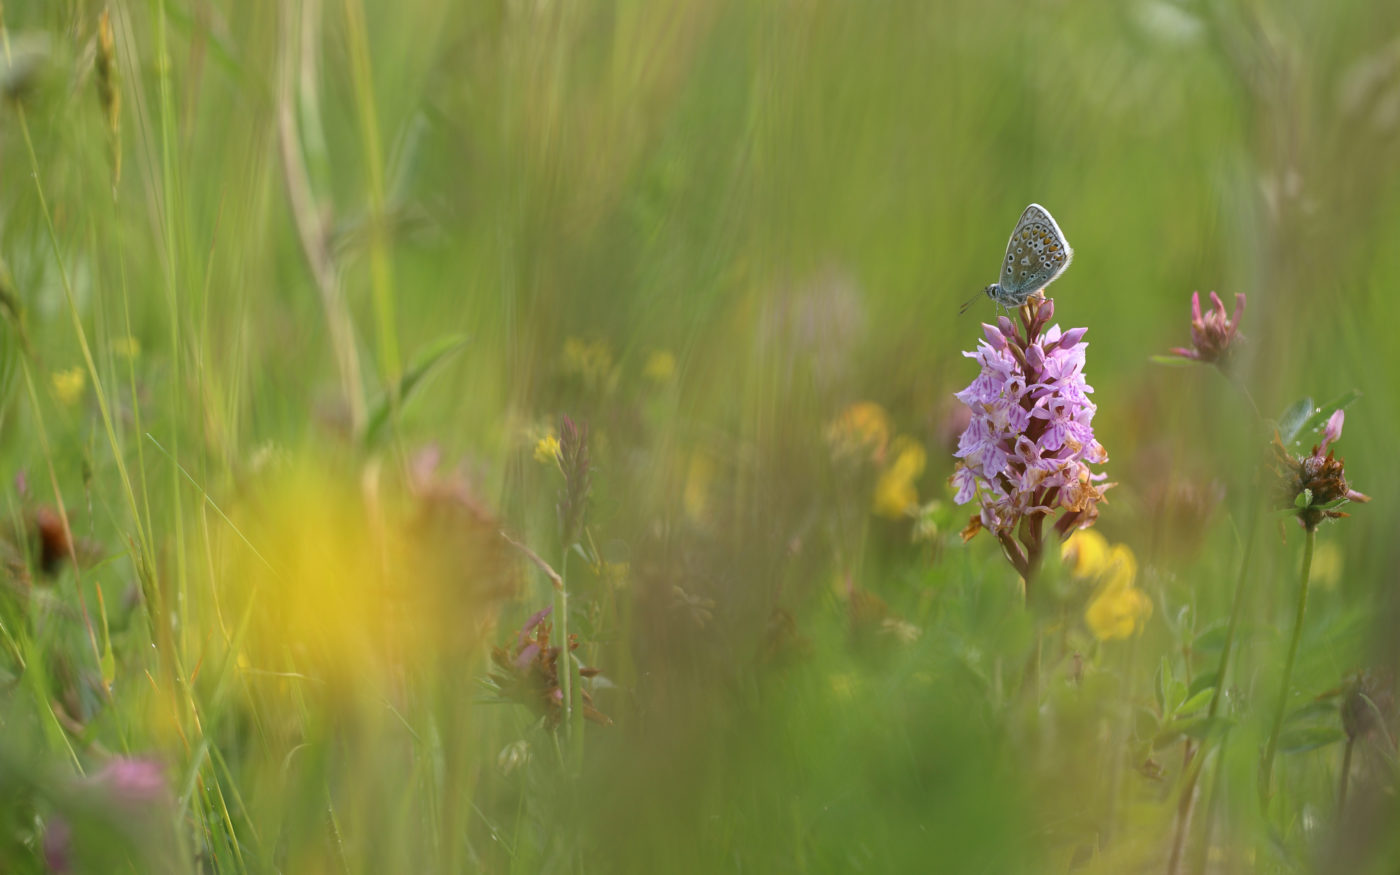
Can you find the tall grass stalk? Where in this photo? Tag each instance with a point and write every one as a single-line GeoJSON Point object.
{"type": "Point", "coordinates": [381, 266]}
{"type": "Point", "coordinates": [1266, 774]}
{"type": "Point", "coordinates": [568, 676]}
{"type": "Point", "coordinates": [1188, 800]}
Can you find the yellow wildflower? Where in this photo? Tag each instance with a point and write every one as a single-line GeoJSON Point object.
{"type": "Point", "coordinates": [1119, 609]}
{"type": "Point", "coordinates": [895, 493]}
{"type": "Point", "coordinates": [126, 347]}
{"type": "Point", "coordinates": [1086, 554]}
{"type": "Point", "coordinates": [660, 366]}
{"type": "Point", "coordinates": [591, 362]}
{"type": "Point", "coordinates": [862, 430]}
{"type": "Point", "coordinates": [547, 450]}
{"type": "Point", "coordinates": [68, 385]}
{"type": "Point", "coordinates": [1118, 612]}
{"type": "Point", "coordinates": [1121, 567]}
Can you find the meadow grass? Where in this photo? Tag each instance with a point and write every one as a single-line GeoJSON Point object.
{"type": "Point", "coordinates": [340, 340]}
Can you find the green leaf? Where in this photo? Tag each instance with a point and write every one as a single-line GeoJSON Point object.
{"type": "Point", "coordinates": [1202, 728]}
{"type": "Point", "coordinates": [1146, 722]}
{"type": "Point", "coordinates": [1172, 361]}
{"type": "Point", "coordinates": [109, 666]}
{"type": "Point", "coordinates": [1164, 686]}
{"type": "Point", "coordinates": [1205, 680]}
{"type": "Point", "coordinates": [1196, 702]}
{"type": "Point", "coordinates": [1199, 728]}
{"type": "Point", "coordinates": [107, 662]}
{"type": "Point", "coordinates": [1313, 712]}
{"type": "Point", "coordinates": [422, 365]}
{"type": "Point", "coordinates": [1323, 413]}
{"type": "Point", "coordinates": [1291, 422]}
{"type": "Point", "coordinates": [1211, 639]}
{"type": "Point", "coordinates": [1303, 499]}
{"type": "Point", "coordinates": [1309, 738]}
{"type": "Point", "coordinates": [1176, 694]}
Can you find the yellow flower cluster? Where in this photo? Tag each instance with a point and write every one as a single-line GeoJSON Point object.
{"type": "Point", "coordinates": [862, 432]}
{"type": "Point", "coordinates": [547, 450]}
{"type": "Point", "coordinates": [68, 385]}
{"type": "Point", "coordinates": [1118, 608]}
{"type": "Point", "coordinates": [126, 347]}
{"type": "Point", "coordinates": [660, 366]}
{"type": "Point", "coordinates": [895, 492]}
{"type": "Point", "coordinates": [591, 362]}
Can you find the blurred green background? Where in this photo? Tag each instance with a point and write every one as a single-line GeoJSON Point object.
{"type": "Point", "coordinates": [705, 229]}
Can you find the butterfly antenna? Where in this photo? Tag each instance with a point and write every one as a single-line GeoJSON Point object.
{"type": "Point", "coordinates": [970, 302]}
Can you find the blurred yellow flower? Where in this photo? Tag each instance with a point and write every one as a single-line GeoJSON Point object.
{"type": "Point", "coordinates": [1121, 567]}
{"type": "Point", "coordinates": [660, 366]}
{"type": "Point", "coordinates": [68, 385]}
{"type": "Point", "coordinates": [1119, 609]}
{"type": "Point", "coordinates": [1085, 554]}
{"type": "Point", "coordinates": [862, 430]}
{"type": "Point", "coordinates": [895, 492]}
{"type": "Point", "coordinates": [1118, 612]}
{"type": "Point", "coordinates": [547, 450]}
{"type": "Point", "coordinates": [126, 347]}
{"type": "Point", "coordinates": [591, 362]}
{"type": "Point", "coordinates": [353, 582]}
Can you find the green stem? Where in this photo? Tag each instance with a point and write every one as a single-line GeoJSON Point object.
{"type": "Point", "coordinates": [1235, 611]}
{"type": "Point", "coordinates": [1188, 800]}
{"type": "Point", "coordinates": [1266, 777]}
{"type": "Point", "coordinates": [565, 661]}
{"type": "Point", "coordinates": [1346, 773]}
{"type": "Point", "coordinates": [1208, 821]}
{"type": "Point", "coordinates": [571, 712]}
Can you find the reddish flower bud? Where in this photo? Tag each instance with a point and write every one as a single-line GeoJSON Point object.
{"type": "Point", "coordinates": [1213, 332]}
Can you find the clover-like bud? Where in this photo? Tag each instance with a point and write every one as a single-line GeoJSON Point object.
{"type": "Point", "coordinates": [1315, 486]}
{"type": "Point", "coordinates": [1213, 333]}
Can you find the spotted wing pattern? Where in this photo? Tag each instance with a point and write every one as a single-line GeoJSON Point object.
{"type": "Point", "coordinates": [1036, 254]}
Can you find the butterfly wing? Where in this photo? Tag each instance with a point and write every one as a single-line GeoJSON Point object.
{"type": "Point", "coordinates": [1035, 256]}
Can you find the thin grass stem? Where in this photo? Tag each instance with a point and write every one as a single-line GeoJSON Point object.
{"type": "Point", "coordinates": [1266, 775]}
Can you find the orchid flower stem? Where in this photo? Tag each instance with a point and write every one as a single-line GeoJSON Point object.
{"type": "Point", "coordinates": [1267, 774]}
{"type": "Point", "coordinates": [564, 660]}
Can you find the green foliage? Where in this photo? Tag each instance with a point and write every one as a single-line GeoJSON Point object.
{"type": "Point", "coordinates": [283, 352]}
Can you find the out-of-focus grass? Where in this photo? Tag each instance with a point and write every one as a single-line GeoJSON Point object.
{"type": "Point", "coordinates": [705, 229]}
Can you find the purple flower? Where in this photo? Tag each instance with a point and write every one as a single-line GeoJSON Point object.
{"type": "Point", "coordinates": [1212, 333]}
{"type": "Point", "coordinates": [129, 795]}
{"type": "Point", "coordinates": [1025, 455]}
{"type": "Point", "coordinates": [133, 781]}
